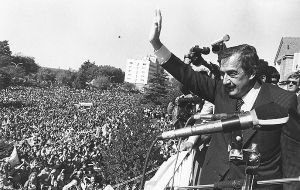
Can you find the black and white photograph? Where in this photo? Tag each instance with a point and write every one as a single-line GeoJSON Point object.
{"type": "Point", "coordinates": [149, 95]}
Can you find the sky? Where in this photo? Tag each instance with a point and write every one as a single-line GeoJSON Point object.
{"type": "Point", "coordinates": [65, 33]}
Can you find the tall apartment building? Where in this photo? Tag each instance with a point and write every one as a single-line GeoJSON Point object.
{"type": "Point", "coordinates": [287, 59]}
{"type": "Point", "coordinates": [140, 71]}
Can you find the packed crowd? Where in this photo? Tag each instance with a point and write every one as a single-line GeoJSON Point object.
{"type": "Point", "coordinates": [59, 145]}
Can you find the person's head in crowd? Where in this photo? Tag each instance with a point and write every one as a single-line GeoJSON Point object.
{"type": "Point", "coordinates": [79, 173]}
{"type": "Point", "coordinates": [8, 166]}
{"type": "Point", "coordinates": [92, 179]}
{"type": "Point", "coordinates": [32, 177]}
{"type": "Point", "coordinates": [293, 82]}
{"type": "Point", "coordinates": [273, 75]}
{"type": "Point", "coordinates": [23, 168]}
{"type": "Point", "coordinates": [239, 65]}
{"type": "Point", "coordinates": [57, 163]}
{"type": "Point", "coordinates": [269, 74]}
{"type": "Point", "coordinates": [55, 184]}
{"type": "Point", "coordinates": [46, 167]}
{"type": "Point", "coordinates": [62, 176]}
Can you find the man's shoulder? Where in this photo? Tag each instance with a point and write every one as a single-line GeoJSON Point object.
{"type": "Point", "coordinates": [281, 97]}
{"type": "Point", "coordinates": [276, 91]}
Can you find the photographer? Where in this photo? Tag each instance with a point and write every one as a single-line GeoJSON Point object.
{"type": "Point", "coordinates": [183, 107]}
{"type": "Point", "coordinates": [238, 91]}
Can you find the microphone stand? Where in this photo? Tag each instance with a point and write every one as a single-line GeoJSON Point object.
{"type": "Point", "coordinates": [253, 162]}
{"type": "Point", "coordinates": [239, 183]}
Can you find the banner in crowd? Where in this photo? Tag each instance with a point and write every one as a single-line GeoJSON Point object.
{"type": "Point", "coordinates": [108, 187]}
{"type": "Point", "coordinates": [13, 159]}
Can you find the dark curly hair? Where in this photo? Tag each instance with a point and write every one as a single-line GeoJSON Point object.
{"type": "Point", "coordinates": [247, 56]}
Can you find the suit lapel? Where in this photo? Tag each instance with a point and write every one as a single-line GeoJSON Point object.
{"type": "Point", "coordinates": [264, 97]}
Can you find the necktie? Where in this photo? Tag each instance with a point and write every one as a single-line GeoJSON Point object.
{"type": "Point", "coordinates": [236, 138]}
{"type": "Point", "coordinates": [239, 104]}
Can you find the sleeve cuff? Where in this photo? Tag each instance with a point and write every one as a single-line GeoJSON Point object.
{"type": "Point", "coordinates": [193, 139]}
{"type": "Point", "coordinates": [162, 54]}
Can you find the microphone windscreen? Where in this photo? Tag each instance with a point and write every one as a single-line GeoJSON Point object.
{"type": "Point", "coordinates": [226, 38]}
{"type": "Point", "coordinates": [271, 114]}
{"type": "Point", "coordinates": [205, 50]}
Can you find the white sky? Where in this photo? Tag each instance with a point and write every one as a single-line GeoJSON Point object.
{"type": "Point", "coordinates": [65, 33]}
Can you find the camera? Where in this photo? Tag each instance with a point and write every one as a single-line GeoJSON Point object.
{"type": "Point", "coordinates": [195, 53]}
{"type": "Point", "coordinates": [216, 48]}
{"type": "Point", "coordinates": [186, 107]}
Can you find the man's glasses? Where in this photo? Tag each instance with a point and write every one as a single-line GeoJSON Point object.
{"type": "Point", "coordinates": [232, 74]}
{"type": "Point", "coordinates": [292, 82]}
{"type": "Point", "coordinates": [274, 82]}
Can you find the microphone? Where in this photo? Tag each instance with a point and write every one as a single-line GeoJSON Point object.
{"type": "Point", "coordinates": [266, 115]}
{"type": "Point", "coordinates": [213, 117]}
{"type": "Point", "coordinates": [224, 39]}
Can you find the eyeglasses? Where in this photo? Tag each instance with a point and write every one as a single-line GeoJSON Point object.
{"type": "Point", "coordinates": [292, 82]}
{"type": "Point", "coordinates": [231, 74]}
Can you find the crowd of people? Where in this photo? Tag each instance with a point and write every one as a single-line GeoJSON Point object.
{"type": "Point", "coordinates": [60, 145]}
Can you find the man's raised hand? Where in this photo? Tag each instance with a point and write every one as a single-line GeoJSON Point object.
{"type": "Point", "coordinates": [155, 30]}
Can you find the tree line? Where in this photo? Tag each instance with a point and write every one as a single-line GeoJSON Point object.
{"type": "Point", "coordinates": [17, 69]}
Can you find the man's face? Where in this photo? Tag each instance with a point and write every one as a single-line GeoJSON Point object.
{"type": "Point", "coordinates": [236, 81]}
{"type": "Point", "coordinates": [274, 81]}
{"type": "Point", "coordinates": [293, 85]}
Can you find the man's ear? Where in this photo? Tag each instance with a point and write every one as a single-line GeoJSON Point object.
{"type": "Point", "coordinates": [263, 78]}
{"type": "Point", "coordinates": [252, 75]}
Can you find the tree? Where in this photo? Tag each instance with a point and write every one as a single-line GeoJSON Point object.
{"type": "Point", "coordinates": [66, 78]}
{"type": "Point", "coordinates": [89, 72]}
{"type": "Point", "coordinates": [157, 89]}
{"type": "Point", "coordinates": [5, 54]}
{"type": "Point", "coordinates": [85, 75]}
{"type": "Point", "coordinates": [46, 75]}
{"type": "Point", "coordinates": [14, 72]}
{"type": "Point", "coordinates": [101, 82]}
{"type": "Point", "coordinates": [28, 63]}
{"type": "Point", "coordinates": [5, 80]}
{"type": "Point", "coordinates": [115, 75]}
{"type": "Point", "coordinates": [173, 90]}
{"type": "Point", "coordinates": [129, 87]}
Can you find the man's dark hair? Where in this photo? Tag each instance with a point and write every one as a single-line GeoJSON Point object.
{"type": "Point", "coordinates": [272, 73]}
{"type": "Point", "coordinates": [247, 56]}
{"type": "Point", "coordinates": [294, 75]}
{"type": "Point", "coordinates": [269, 72]}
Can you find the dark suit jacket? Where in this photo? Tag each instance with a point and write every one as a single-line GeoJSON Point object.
{"type": "Point", "coordinates": [290, 146]}
{"type": "Point", "coordinates": [216, 166]}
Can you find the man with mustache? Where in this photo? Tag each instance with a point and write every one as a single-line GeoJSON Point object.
{"type": "Point", "coordinates": [239, 90]}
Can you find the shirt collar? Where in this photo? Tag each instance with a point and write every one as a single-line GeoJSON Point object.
{"type": "Point", "coordinates": [250, 97]}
